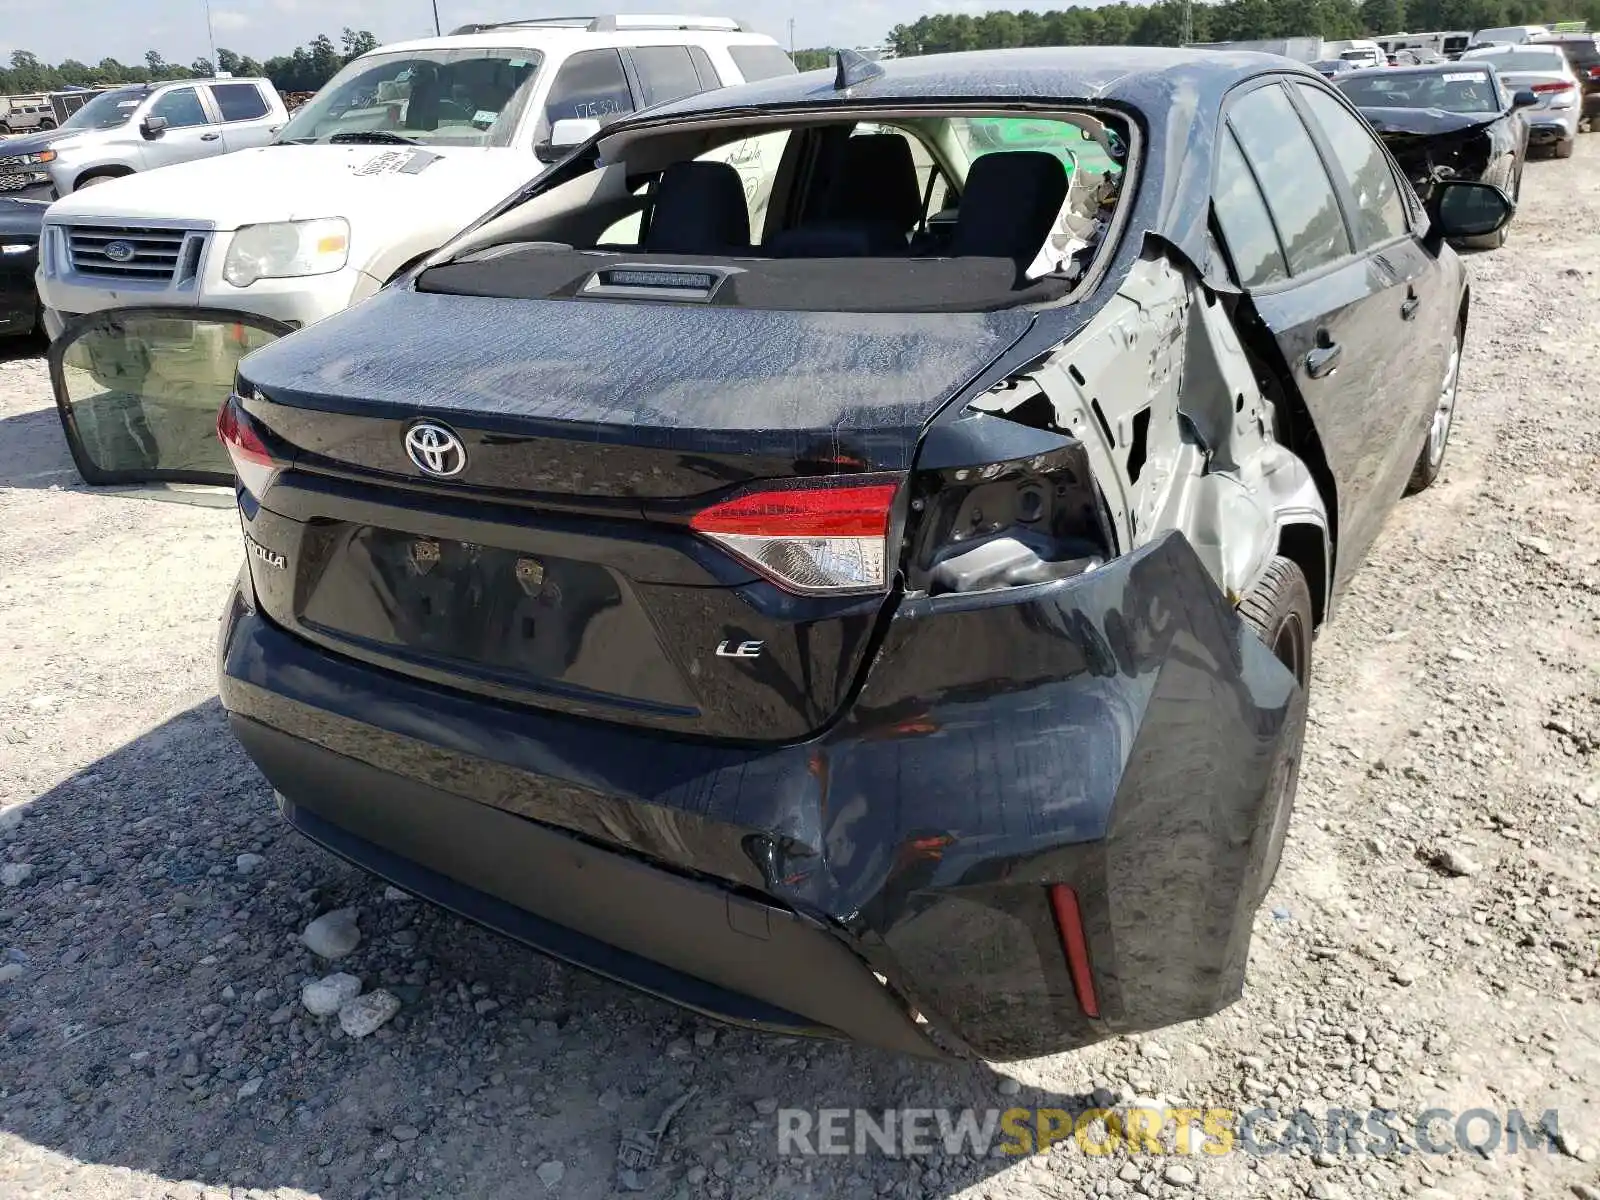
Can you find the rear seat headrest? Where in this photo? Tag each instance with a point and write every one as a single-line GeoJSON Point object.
{"type": "Point", "coordinates": [699, 209]}
{"type": "Point", "coordinates": [1009, 206]}
{"type": "Point", "coordinates": [877, 181]}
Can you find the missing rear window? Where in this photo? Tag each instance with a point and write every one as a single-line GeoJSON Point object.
{"type": "Point", "coordinates": [887, 212]}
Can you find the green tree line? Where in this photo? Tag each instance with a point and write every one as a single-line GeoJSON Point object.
{"type": "Point", "coordinates": [306, 69]}
{"type": "Point", "coordinates": [1162, 23]}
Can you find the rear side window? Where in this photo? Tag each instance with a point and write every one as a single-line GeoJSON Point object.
{"type": "Point", "coordinates": [182, 109]}
{"type": "Point", "coordinates": [1252, 242]}
{"type": "Point", "coordinates": [665, 73]}
{"type": "Point", "coordinates": [591, 85]}
{"type": "Point", "coordinates": [710, 81]}
{"type": "Point", "coordinates": [1297, 189]}
{"type": "Point", "coordinates": [239, 101]}
{"type": "Point", "coordinates": [762, 62]}
{"type": "Point", "coordinates": [1380, 214]}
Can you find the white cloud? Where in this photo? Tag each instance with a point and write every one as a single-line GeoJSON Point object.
{"type": "Point", "coordinates": [225, 20]}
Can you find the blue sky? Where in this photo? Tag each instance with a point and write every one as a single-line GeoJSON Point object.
{"type": "Point", "coordinates": [89, 30]}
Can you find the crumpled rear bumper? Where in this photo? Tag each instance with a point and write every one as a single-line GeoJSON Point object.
{"type": "Point", "coordinates": [1119, 734]}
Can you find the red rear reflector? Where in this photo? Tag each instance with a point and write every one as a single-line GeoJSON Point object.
{"type": "Point", "coordinates": [1069, 922]}
{"type": "Point", "coordinates": [814, 537]}
{"type": "Point", "coordinates": [1545, 88]}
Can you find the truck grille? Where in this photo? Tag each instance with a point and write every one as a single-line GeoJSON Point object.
{"type": "Point", "coordinates": [125, 252]}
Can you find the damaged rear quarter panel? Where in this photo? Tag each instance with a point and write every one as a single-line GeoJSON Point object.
{"type": "Point", "coordinates": [1129, 754]}
{"type": "Point", "coordinates": [1159, 391]}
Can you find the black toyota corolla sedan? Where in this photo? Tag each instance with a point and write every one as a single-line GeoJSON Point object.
{"type": "Point", "coordinates": [842, 553]}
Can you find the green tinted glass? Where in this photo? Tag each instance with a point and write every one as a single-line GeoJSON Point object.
{"type": "Point", "coordinates": [142, 394]}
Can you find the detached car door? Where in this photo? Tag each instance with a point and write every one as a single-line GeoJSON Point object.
{"type": "Point", "coordinates": [192, 130]}
{"type": "Point", "coordinates": [139, 389]}
{"type": "Point", "coordinates": [1338, 282]}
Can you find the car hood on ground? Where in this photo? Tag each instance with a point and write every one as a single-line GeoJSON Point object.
{"type": "Point", "coordinates": [290, 183]}
{"type": "Point", "coordinates": [22, 216]}
{"type": "Point", "coordinates": [1426, 122]}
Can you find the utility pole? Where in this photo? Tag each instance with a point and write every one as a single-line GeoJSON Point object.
{"type": "Point", "coordinates": [1187, 32]}
{"type": "Point", "coordinates": [791, 35]}
{"type": "Point", "coordinates": [436, 30]}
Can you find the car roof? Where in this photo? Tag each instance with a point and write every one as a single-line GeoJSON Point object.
{"type": "Point", "coordinates": [568, 38]}
{"type": "Point", "coordinates": [1113, 74]}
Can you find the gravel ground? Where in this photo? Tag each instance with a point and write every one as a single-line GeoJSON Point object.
{"type": "Point", "coordinates": [1431, 941]}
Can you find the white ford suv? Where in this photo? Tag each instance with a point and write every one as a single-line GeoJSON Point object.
{"type": "Point", "coordinates": [404, 147]}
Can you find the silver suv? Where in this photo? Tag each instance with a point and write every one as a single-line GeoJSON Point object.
{"type": "Point", "coordinates": [140, 127]}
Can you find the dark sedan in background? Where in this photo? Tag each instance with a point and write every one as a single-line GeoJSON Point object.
{"type": "Point", "coordinates": [1446, 121]}
{"type": "Point", "coordinates": [19, 255]}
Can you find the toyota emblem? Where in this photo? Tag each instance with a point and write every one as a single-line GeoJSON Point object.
{"type": "Point", "coordinates": [435, 450]}
{"type": "Point", "coordinates": [120, 252]}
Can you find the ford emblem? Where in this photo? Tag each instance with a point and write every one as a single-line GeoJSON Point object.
{"type": "Point", "coordinates": [120, 252]}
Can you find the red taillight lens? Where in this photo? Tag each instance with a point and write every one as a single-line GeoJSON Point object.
{"type": "Point", "coordinates": [252, 461]}
{"type": "Point", "coordinates": [813, 537]}
{"type": "Point", "coordinates": [1545, 89]}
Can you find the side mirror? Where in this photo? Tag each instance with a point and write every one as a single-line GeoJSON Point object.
{"type": "Point", "coordinates": [565, 135]}
{"type": "Point", "coordinates": [1524, 99]}
{"type": "Point", "coordinates": [1466, 208]}
{"type": "Point", "coordinates": [153, 128]}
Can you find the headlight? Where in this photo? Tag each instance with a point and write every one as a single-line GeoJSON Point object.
{"type": "Point", "coordinates": [286, 249]}
{"type": "Point", "coordinates": [15, 247]}
{"type": "Point", "coordinates": [29, 160]}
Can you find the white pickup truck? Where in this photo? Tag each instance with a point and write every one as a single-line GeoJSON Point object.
{"type": "Point", "coordinates": [402, 149]}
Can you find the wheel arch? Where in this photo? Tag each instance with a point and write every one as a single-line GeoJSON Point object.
{"type": "Point", "coordinates": [103, 171]}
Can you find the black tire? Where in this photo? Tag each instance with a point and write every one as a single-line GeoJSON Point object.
{"type": "Point", "coordinates": [1278, 608]}
{"type": "Point", "coordinates": [1564, 149]}
{"type": "Point", "coordinates": [1430, 459]}
{"type": "Point", "coordinates": [47, 124]}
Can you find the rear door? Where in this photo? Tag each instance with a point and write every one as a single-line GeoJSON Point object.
{"type": "Point", "coordinates": [248, 118]}
{"type": "Point", "coordinates": [139, 389]}
{"type": "Point", "coordinates": [1333, 287]}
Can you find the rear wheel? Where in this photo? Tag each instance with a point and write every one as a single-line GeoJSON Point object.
{"type": "Point", "coordinates": [1278, 609]}
{"type": "Point", "coordinates": [1431, 459]}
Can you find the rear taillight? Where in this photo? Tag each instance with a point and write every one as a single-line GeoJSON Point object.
{"type": "Point", "coordinates": [1547, 89]}
{"type": "Point", "coordinates": [812, 536]}
{"type": "Point", "coordinates": [252, 461]}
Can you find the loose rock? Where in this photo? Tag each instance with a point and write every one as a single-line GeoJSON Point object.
{"type": "Point", "coordinates": [366, 1014]}
{"type": "Point", "coordinates": [324, 997]}
{"type": "Point", "coordinates": [333, 935]}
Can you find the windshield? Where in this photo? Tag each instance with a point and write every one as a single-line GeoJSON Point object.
{"type": "Point", "coordinates": [1452, 91]}
{"type": "Point", "coordinates": [458, 97]}
{"type": "Point", "coordinates": [107, 110]}
{"type": "Point", "coordinates": [1524, 60]}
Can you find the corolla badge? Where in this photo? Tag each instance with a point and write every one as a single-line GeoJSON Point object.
{"type": "Point", "coordinates": [435, 450]}
{"type": "Point", "coordinates": [120, 252]}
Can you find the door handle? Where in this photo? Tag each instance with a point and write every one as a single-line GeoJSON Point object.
{"type": "Point", "coordinates": [1324, 359]}
{"type": "Point", "coordinates": [209, 137]}
{"type": "Point", "coordinates": [1408, 310]}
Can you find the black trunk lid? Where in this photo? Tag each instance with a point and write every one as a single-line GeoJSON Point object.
{"type": "Point", "coordinates": [557, 567]}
